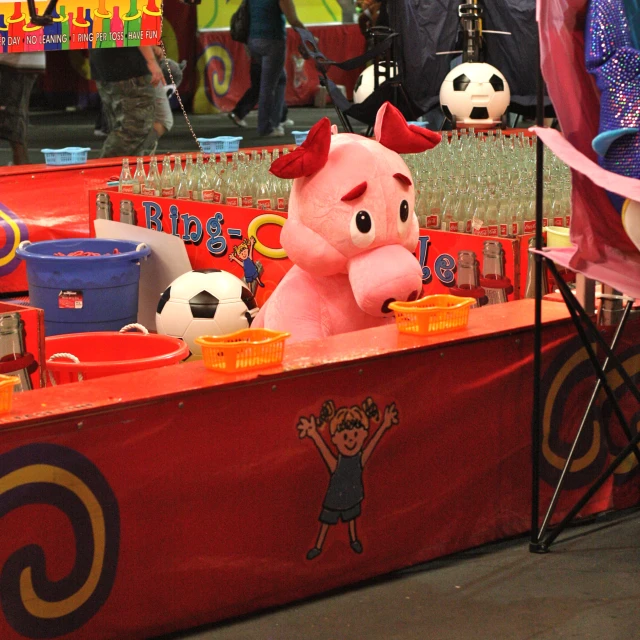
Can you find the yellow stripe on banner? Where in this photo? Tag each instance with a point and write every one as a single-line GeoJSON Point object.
{"type": "Point", "coordinates": [127, 18]}
{"type": "Point", "coordinates": [578, 464]}
{"type": "Point", "coordinates": [55, 475]}
{"type": "Point", "coordinates": [16, 238]}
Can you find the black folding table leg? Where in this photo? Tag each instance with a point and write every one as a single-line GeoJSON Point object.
{"type": "Point", "coordinates": [594, 395]}
{"type": "Point", "coordinates": [571, 303]}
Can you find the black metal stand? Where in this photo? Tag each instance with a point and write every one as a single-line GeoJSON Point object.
{"type": "Point", "coordinates": [542, 536]}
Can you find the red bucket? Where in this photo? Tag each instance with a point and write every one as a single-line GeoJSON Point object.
{"type": "Point", "coordinates": [82, 356]}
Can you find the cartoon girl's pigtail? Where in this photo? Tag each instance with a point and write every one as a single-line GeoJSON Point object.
{"type": "Point", "coordinates": [371, 409]}
{"type": "Point", "coordinates": [327, 412]}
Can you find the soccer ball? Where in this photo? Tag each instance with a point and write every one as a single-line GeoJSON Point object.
{"type": "Point", "coordinates": [365, 84]}
{"type": "Point", "coordinates": [474, 94]}
{"type": "Point", "coordinates": [208, 302]}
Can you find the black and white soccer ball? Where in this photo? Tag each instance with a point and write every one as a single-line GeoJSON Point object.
{"type": "Point", "coordinates": [365, 84]}
{"type": "Point", "coordinates": [207, 302]}
{"type": "Point", "coordinates": [474, 94]}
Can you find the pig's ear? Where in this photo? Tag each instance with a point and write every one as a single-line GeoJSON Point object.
{"type": "Point", "coordinates": [392, 131]}
{"type": "Point", "coordinates": [309, 157]}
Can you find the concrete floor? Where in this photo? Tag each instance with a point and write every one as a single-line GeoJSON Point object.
{"type": "Point", "coordinates": [587, 587]}
{"type": "Point", "coordinates": [61, 129]}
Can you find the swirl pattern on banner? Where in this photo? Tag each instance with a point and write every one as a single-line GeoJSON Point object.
{"type": "Point", "coordinates": [570, 370]}
{"type": "Point", "coordinates": [14, 231]}
{"type": "Point", "coordinates": [48, 474]}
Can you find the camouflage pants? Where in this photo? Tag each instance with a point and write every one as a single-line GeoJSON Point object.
{"type": "Point", "coordinates": [15, 91]}
{"type": "Point", "coordinates": [129, 106]}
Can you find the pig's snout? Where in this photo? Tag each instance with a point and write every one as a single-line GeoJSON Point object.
{"type": "Point", "coordinates": [383, 275]}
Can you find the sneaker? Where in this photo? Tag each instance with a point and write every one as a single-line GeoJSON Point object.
{"type": "Point", "coordinates": [287, 123]}
{"type": "Point", "coordinates": [234, 118]}
{"type": "Point", "coordinates": [278, 132]}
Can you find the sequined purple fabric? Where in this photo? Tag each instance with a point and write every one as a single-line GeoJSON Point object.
{"type": "Point", "coordinates": [611, 57]}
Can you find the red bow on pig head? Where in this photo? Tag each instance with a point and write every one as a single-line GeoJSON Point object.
{"type": "Point", "coordinates": [391, 131]}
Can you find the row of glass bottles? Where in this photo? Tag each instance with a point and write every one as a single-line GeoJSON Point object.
{"type": "Point", "coordinates": [491, 191]}
{"type": "Point", "coordinates": [238, 180]}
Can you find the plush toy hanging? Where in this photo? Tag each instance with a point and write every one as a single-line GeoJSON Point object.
{"type": "Point", "coordinates": [612, 52]}
{"type": "Point", "coordinates": [351, 229]}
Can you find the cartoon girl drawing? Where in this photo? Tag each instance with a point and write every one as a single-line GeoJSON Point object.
{"type": "Point", "coordinates": [349, 428]}
{"type": "Point", "coordinates": [243, 255]}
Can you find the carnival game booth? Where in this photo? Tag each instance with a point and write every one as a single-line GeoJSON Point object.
{"type": "Point", "coordinates": [142, 503]}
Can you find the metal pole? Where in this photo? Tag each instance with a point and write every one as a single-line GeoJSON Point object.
{"type": "Point", "coordinates": [536, 420]}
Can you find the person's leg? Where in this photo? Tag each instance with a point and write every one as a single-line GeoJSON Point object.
{"type": "Point", "coordinates": [252, 94]}
{"type": "Point", "coordinates": [16, 92]}
{"type": "Point", "coordinates": [279, 104]}
{"type": "Point", "coordinates": [130, 108]}
{"type": "Point", "coordinates": [162, 121]}
{"type": "Point", "coordinates": [272, 57]}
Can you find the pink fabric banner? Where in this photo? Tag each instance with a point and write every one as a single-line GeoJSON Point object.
{"type": "Point", "coordinates": [603, 251]}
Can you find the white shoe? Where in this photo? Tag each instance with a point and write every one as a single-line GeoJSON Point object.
{"type": "Point", "coordinates": [287, 123]}
{"type": "Point", "coordinates": [278, 132]}
{"type": "Point", "coordinates": [234, 118]}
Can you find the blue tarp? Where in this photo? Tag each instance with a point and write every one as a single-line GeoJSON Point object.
{"type": "Point", "coordinates": [429, 26]}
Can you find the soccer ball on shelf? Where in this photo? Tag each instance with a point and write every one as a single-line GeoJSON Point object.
{"type": "Point", "coordinates": [474, 94]}
{"type": "Point", "coordinates": [208, 302]}
{"type": "Point", "coordinates": [365, 84]}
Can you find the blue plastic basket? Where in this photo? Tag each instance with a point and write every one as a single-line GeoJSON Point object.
{"type": "Point", "coordinates": [68, 155]}
{"type": "Point", "coordinates": [300, 136]}
{"type": "Point", "coordinates": [220, 143]}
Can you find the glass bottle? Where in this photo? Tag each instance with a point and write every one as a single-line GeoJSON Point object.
{"type": "Point", "coordinates": [232, 197]}
{"type": "Point", "coordinates": [468, 279]}
{"type": "Point", "coordinates": [504, 218]}
{"type": "Point", "coordinates": [434, 211]}
{"type": "Point", "coordinates": [167, 188]}
{"type": "Point", "coordinates": [152, 183]}
{"type": "Point", "coordinates": [264, 198]}
{"type": "Point", "coordinates": [215, 182]}
{"type": "Point", "coordinates": [529, 224]}
{"type": "Point", "coordinates": [492, 217]}
{"type": "Point", "coordinates": [188, 172]}
{"type": "Point", "coordinates": [246, 186]}
{"type": "Point", "coordinates": [530, 285]}
{"type": "Point", "coordinates": [479, 221]}
{"type": "Point", "coordinates": [177, 172]}
{"type": "Point", "coordinates": [139, 177]}
{"type": "Point", "coordinates": [182, 190]}
{"type": "Point", "coordinates": [125, 184]}
{"type": "Point", "coordinates": [493, 270]}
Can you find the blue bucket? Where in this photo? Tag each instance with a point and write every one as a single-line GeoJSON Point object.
{"type": "Point", "coordinates": [85, 293]}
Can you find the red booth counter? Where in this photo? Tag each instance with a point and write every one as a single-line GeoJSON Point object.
{"type": "Point", "coordinates": [139, 504]}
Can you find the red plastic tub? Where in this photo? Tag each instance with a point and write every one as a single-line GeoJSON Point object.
{"type": "Point", "coordinates": [82, 356]}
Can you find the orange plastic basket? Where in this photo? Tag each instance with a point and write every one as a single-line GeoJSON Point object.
{"type": "Point", "coordinates": [432, 314]}
{"type": "Point", "coordinates": [243, 350]}
{"type": "Point", "coordinates": [6, 392]}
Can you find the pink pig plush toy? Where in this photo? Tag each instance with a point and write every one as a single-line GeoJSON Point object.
{"type": "Point", "coordinates": [351, 229]}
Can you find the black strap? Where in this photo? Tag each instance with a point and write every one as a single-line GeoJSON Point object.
{"type": "Point", "coordinates": [311, 51]}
